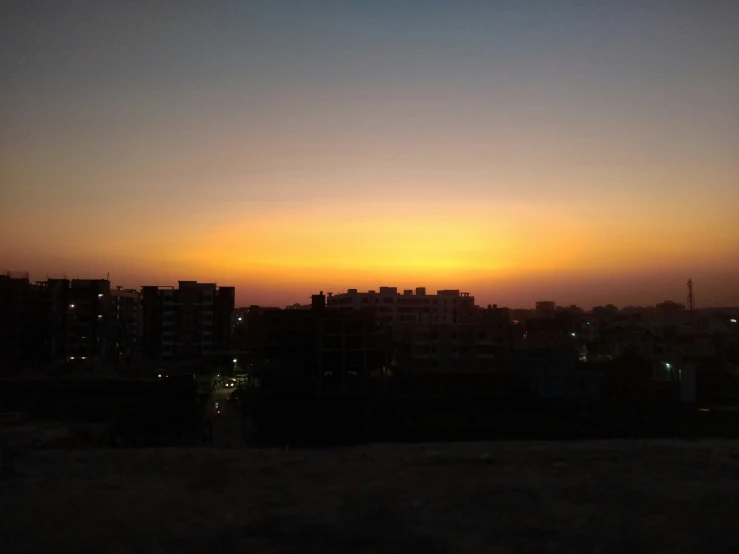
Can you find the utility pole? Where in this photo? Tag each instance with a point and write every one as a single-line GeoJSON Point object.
{"type": "Point", "coordinates": [691, 300]}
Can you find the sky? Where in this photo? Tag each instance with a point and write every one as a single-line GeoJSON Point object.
{"type": "Point", "coordinates": [582, 152]}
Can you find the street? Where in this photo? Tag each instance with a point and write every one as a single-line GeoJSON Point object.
{"type": "Point", "coordinates": [227, 432]}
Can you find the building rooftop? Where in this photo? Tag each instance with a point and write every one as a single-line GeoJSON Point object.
{"type": "Point", "coordinates": [617, 496]}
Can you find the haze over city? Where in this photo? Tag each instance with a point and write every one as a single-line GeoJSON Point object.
{"type": "Point", "coordinates": [581, 153]}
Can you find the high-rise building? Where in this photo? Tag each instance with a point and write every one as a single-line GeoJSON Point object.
{"type": "Point", "coordinates": [24, 323]}
{"type": "Point", "coordinates": [123, 328]}
{"type": "Point", "coordinates": [87, 319]}
{"type": "Point", "coordinates": [189, 321]}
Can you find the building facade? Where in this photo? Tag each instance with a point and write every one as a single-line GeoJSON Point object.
{"type": "Point", "coordinates": [124, 325]}
{"type": "Point", "coordinates": [87, 320]}
{"type": "Point", "coordinates": [409, 307]}
{"type": "Point", "coordinates": [185, 322]}
{"type": "Point", "coordinates": [24, 323]}
{"type": "Point", "coordinates": [332, 350]}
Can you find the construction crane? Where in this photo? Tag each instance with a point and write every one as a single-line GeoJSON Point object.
{"type": "Point", "coordinates": [691, 300]}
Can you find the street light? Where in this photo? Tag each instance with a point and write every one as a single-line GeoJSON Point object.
{"type": "Point", "coordinates": [235, 360]}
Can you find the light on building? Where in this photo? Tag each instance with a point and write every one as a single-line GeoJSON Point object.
{"type": "Point", "coordinates": [668, 366]}
{"type": "Point", "coordinates": [71, 305]}
{"type": "Point", "coordinates": [83, 358]}
{"type": "Point", "coordinates": [100, 295]}
{"type": "Point", "coordinates": [733, 320]}
{"type": "Point", "coordinates": [160, 375]}
{"type": "Point", "coordinates": [573, 334]}
{"type": "Point", "coordinates": [71, 357]}
{"type": "Point", "coordinates": [239, 319]}
{"type": "Point", "coordinates": [235, 360]}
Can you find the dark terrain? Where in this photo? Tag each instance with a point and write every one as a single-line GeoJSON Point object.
{"type": "Point", "coordinates": [616, 496]}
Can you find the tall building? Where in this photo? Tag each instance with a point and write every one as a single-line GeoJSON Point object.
{"type": "Point", "coordinates": [123, 329]}
{"type": "Point", "coordinates": [87, 319]}
{"type": "Point", "coordinates": [408, 307]}
{"type": "Point", "coordinates": [185, 322]}
{"type": "Point", "coordinates": [24, 323]}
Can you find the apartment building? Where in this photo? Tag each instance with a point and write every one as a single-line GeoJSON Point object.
{"type": "Point", "coordinates": [191, 320]}
{"type": "Point", "coordinates": [24, 323]}
{"type": "Point", "coordinates": [123, 328]}
{"type": "Point", "coordinates": [409, 306]}
{"type": "Point", "coordinates": [456, 348]}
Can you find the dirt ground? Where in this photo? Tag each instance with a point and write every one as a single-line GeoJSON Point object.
{"type": "Point", "coordinates": [617, 496]}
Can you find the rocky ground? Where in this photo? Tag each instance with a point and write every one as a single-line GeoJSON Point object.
{"type": "Point", "coordinates": [617, 496]}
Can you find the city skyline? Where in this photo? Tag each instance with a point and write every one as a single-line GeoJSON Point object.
{"type": "Point", "coordinates": [518, 152]}
{"type": "Point", "coordinates": [671, 294]}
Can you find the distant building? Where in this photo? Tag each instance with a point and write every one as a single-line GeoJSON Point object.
{"type": "Point", "coordinates": [77, 319]}
{"type": "Point", "coordinates": [669, 308]}
{"type": "Point", "coordinates": [408, 307]}
{"type": "Point", "coordinates": [87, 319]}
{"type": "Point", "coordinates": [124, 325]}
{"type": "Point", "coordinates": [335, 350]}
{"type": "Point", "coordinates": [186, 322]}
{"type": "Point", "coordinates": [455, 348]}
{"type": "Point", "coordinates": [546, 308]}
{"type": "Point", "coordinates": [553, 374]}
{"type": "Point", "coordinates": [24, 323]}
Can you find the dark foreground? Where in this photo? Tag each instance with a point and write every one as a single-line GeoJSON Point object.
{"type": "Point", "coordinates": [618, 496]}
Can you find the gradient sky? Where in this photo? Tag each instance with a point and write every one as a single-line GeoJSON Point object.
{"type": "Point", "coordinates": [585, 152]}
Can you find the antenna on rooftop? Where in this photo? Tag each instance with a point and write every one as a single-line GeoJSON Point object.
{"type": "Point", "coordinates": [691, 299]}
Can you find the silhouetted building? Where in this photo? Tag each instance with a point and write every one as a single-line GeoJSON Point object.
{"type": "Point", "coordinates": [24, 323]}
{"type": "Point", "coordinates": [669, 308]}
{"type": "Point", "coordinates": [185, 322]}
{"type": "Point", "coordinates": [546, 308]}
{"type": "Point", "coordinates": [408, 307]}
{"type": "Point", "coordinates": [334, 350]}
{"type": "Point", "coordinates": [455, 348]}
{"type": "Point", "coordinates": [492, 315]}
{"type": "Point", "coordinates": [554, 374]}
{"type": "Point", "coordinates": [87, 319]}
{"type": "Point", "coordinates": [124, 325]}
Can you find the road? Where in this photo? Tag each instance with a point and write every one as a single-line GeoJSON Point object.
{"type": "Point", "coordinates": [227, 432]}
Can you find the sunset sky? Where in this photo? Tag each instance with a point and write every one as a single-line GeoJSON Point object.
{"type": "Point", "coordinates": [583, 152]}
